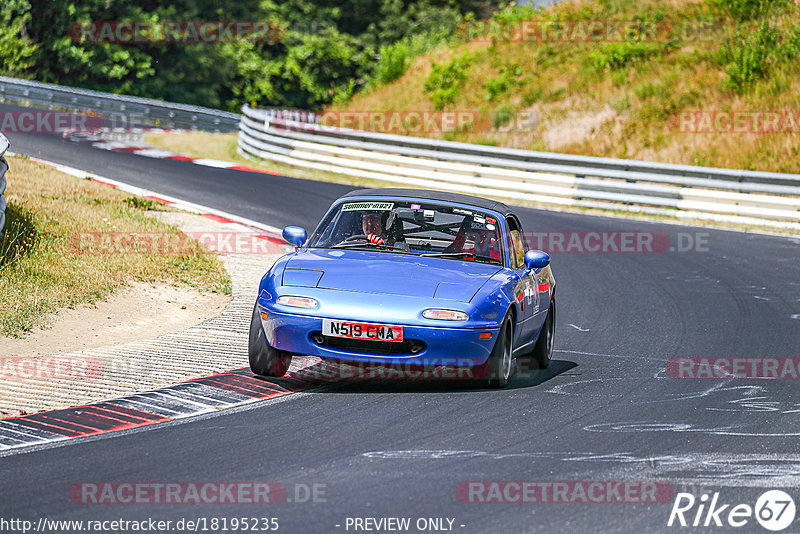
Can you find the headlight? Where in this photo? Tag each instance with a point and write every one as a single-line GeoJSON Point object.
{"type": "Point", "coordinates": [445, 315]}
{"type": "Point", "coordinates": [298, 302]}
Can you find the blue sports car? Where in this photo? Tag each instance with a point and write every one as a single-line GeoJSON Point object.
{"type": "Point", "coordinates": [412, 277]}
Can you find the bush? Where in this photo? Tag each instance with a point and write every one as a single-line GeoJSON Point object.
{"type": "Point", "coordinates": [445, 81]}
{"type": "Point", "coordinates": [393, 62]}
{"type": "Point", "coordinates": [747, 55]}
{"type": "Point", "coordinates": [507, 78]}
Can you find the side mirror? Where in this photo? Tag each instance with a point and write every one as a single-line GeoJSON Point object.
{"type": "Point", "coordinates": [295, 235]}
{"type": "Point", "coordinates": [536, 259]}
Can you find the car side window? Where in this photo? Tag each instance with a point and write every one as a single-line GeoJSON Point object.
{"type": "Point", "coordinates": [516, 246]}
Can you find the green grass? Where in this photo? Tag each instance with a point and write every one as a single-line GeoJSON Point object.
{"type": "Point", "coordinates": [707, 55]}
{"type": "Point", "coordinates": [44, 265]}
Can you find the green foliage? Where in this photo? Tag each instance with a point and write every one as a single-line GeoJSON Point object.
{"type": "Point", "coordinates": [507, 78]}
{"type": "Point", "coordinates": [512, 13]}
{"type": "Point", "coordinates": [790, 47]}
{"type": "Point", "coordinates": [743, 10]}
{"type": "Point", "coordinates": [393, 62]}
{"type": "Point", "coordinates": [747, 56]}
{"type": "Point", "coordinates": [502, 116]}
{"type": "Point", "coordinates": [445, 81]}
{"type": "Point", "coordinates": [327, 50]}
{"type": "Point", "coordinates": [645, 90]}
{"type": "Point", "coordinates": [401, 19]}
{"type": "Point", "coordinates": [558, 94]}
{"type": "Point", "coordinates": [16, 51]}
{"type": "Point", "coordinates": [535, 94]}
{"type": "Point", "coordinates": [615, 56]}
{"type": "Point", "coordinates": [141, 203]}
{"type": "Point", "coordinates": [20, 234]}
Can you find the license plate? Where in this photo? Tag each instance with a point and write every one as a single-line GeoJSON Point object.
{"type": "Point", "coordinates": [368, 331]}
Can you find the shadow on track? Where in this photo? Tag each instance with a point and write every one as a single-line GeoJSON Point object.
{"type": "Point", "coordinates": [340, 377]}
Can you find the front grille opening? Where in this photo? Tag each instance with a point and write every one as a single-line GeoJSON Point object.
{"type": "Point", "coordinates": [407, 346]}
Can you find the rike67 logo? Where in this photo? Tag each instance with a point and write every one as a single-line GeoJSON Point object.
{"type": "Point", "coordinates": [774, 510]}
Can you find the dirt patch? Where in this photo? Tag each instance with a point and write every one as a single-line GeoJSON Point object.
{"type": "Point", "coordinates": [576, 128]}
{"type": "Point", "coordinates": [138, 311]}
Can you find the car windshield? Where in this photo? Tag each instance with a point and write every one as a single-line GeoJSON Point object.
{"type": "Point", "coordinates": [412, 227]}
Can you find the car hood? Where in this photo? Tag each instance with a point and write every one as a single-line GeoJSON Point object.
{"type": "Point", "coordinates": [387, 273]}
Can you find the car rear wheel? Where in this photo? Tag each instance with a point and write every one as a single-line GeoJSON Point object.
{"type": "Point", "coordinates": [497, 369]}
{"type": "Point", "coordinates": [265, 360]}
{"type": "Point", "coordinates": [543, 350]}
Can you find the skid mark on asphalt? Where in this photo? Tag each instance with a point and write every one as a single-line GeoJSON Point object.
{"type": "Point", "coordinates": [578, 328]}
{"type": "Point", "coordinates": [703, 468]}
{"type": "Point", "coordinates": [645, 426]}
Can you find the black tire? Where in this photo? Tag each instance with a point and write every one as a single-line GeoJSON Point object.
{"type": "Point", "coordinates": [265, 360]}
{"type": "Point", "coordinates": [497, 369]}
{"type": "Point", "coordinates": [543, 350]}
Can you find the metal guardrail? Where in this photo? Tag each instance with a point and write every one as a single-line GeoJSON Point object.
{"type": "Point", "coordinates": [727, 195]}
{"type": "Point", "coordinates": [3, 168]}
{"type": "Point", "coordinates": [123, 111]}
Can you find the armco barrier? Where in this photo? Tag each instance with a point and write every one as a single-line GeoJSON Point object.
{"type": "Point", "coordinates": [122, 111]}
{"type": "Point", "coordinates": [727, 195]}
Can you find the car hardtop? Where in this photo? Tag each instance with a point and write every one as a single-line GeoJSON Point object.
{"type": "Point", "coordinates": [426, 194]}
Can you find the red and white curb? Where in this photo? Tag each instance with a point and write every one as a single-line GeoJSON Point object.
{"type": "Point", "coordinates": [93, 139]}
{"type": "Point", "coordinates": [187, 399]}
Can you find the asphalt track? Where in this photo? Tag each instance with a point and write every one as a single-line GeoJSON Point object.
{"type": "Point", "coordinates": [605, 411]}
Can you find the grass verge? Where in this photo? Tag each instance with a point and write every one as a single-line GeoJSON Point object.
{"type": "Point", "coordinates": [41, 268]}
{"type": "Point", "coordinates": [222, 146]}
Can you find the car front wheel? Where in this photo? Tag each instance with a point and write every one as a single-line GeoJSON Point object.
{"type": "Point", "coordinates": [497, 369]}
{"type": "Point", "coordinates": [265, 360]}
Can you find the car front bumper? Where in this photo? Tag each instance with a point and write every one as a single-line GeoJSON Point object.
{"type": "Point", "coordinates": [445, 345]}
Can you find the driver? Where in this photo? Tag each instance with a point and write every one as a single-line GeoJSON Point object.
{"type": "Point", "coordinates": [372, 223]}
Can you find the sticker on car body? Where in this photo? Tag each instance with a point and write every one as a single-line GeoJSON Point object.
{"type": "Point", "coordinates": [368, 206]}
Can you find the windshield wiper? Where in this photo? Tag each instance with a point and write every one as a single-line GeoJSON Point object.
{"type": "Point", "coordinates": [367, 245]}
{"type": "Point", "coordinates": [476, 257]}
{"type": "Point", "coordinates": [362, 244]}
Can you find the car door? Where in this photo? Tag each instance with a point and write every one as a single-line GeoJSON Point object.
{"type": "Point", "coordinates": [527, 291]}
